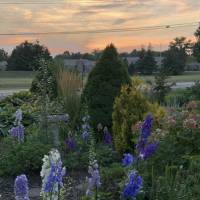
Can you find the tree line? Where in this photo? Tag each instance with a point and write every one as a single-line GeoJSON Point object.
{"type": "Point", "coordinates": [26, 56]}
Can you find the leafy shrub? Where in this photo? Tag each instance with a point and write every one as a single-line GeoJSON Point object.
{"type": "Point", "coordinates": [21, 158]}
{"type": "Point", "coordinates": [130, 107]}
{"type": "Point", "coordinates": [103, 85]}
{"type": "Point", "coordinates": [111, 179]}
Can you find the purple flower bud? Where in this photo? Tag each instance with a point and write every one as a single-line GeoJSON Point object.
{"type": "Point", "coordinates": [21, 188]}
{"type": "Point", "coordinates": [107, 138]}
{"type": "Point", "coordinates": [127, 160]}
{"type": "Point", "coordinates": [133, 186]}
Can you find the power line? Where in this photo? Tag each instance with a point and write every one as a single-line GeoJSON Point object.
{"type": "Point", "coordinates": [147, 28]}
{"type": "Point", "coordinates": [60, 2]}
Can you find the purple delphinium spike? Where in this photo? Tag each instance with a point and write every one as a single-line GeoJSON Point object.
{"type": "Point", "coordinates": [18, 116]}
{"type": "Point", "coordinates": [146, 127]}
{"type": "Point", "coordinates": [133, 186]}
{"type": "Point", "coordinates": [21, 188]}
{"type": "Point", "coordinates": [56, 176]}
{"type": "Point", "coordinates": [85, 128]}
{"type": "Point", "coordinates": [107, 138]}
{"type": "Point", "coordinates": [70, 143]}
{"type": "Point", "coordinates": [94, 181]}
{"type": "Point", "coordinates": [18, 132]}
{"type": "Point", "coordinates": [127, 160]}
{"type": "Point", "coordinates": [148, 151]}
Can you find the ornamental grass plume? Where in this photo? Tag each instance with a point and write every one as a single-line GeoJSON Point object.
{"type": "Point", "coordinates": [52, 175]}
{"type": "Point", "coordinates": [21, 188]}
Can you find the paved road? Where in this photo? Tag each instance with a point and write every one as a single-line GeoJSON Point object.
{"type": "Point", "coordinates": [183, 85]}
{"type": "Point", "coordinates": [5, 93]}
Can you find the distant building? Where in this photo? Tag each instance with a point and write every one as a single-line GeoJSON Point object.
{"type": "Point", "coordinates": [3, 65]}
{"type": "Point", "coordinates": [86, 65]}
{"type": "Point", "coordinates": [79, 64]}
{"type": "Point", "coordinates": [135, 59]}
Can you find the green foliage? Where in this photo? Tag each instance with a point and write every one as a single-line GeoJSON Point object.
{"type": "Point", "coordinates": [26, 56]}
{"type": "Point", "coordinates": [45, 81]}
{"type": "Point", "coordinates": [3, 55]}
{"type": "Point", "coordinates": [103, 85]}
{"type": "Point", "coordinates": [129, 108]}
{"type": "Point", "coordinates": [161, 87]}
{"type": "Point", "coordinates": [111, 179]}
{"type": "Point", "coordinates": [21, 158]}
{"type": "Point", "coordinates": [175, 57]}
{"type": "Point", "coordinates": [196, 47]}
{"type": "Point", "coordinates": [146, 63]}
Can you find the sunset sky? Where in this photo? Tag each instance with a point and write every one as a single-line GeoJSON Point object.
{"type": "Point", "coordinates": [73, 15]}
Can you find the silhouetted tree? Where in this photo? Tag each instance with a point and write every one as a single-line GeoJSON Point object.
{"type": "Point", "coordinates": [175, 57]}
{"type": "Point", "coordinates": [26, 56]}
{"type": "Point", "coordinates": [196, 48]}
{"type": "Point", "coordinates": [103, 85]}
{"type": "Point", "coordinates": [3, 55]}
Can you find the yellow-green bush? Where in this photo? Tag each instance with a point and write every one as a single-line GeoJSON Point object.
{"type": "Point", "coordinates": [130, 107]}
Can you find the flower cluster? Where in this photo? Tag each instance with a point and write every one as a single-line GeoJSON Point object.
{"type": "Point", "coordinates": [52, 174]}
{"type": "Point", "coordinates": [21, 188]}
{"type": "Point", "coordinates": [17, 131]}
{"type": "Point", "coordinates": [70, 142]}
{"type": "Point", "coordinates": [191, 105]}
{"type": "Point", "coordinates": [144, 148]}
{"type": "Point", "coordinates": [133, 186]}
{"type": "Point", "coordinates": [190, 123]}
{"type": "Point", "coordinates": [127, 160]}
{"type": "Point", "coordinates": [107, 138]}
{"type": "Point", "coordinates": [85, 128]}
{"type": "Point", "coordinates": [94, 180]}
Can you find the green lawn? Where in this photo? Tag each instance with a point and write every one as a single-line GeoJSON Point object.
{"type": "Point", "coordinates": [15, 79]}
{"type": "Point", "coordinates": [23, 79]}
{"type": "Point", "coordinates": [186, 77]}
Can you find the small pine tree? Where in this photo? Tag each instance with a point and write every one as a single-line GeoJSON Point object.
{"type": "Point", "coordinates": [196, 48]}
{"type": "Point", "coordinates": [161, 87]}
{"type": "Point", "coordinates": [103, 85]}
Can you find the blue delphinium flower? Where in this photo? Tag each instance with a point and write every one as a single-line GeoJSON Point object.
{"type": "Point", "coordinates": [127, 160]}
{"type": "Point", "coordinates": [146, 127]}
{"type": "Point", "coordinates": [18, 132]}
{"type": "Point", "coordinates": [144, 148]}
{"type": "Point", "coordinates": [85, 128]}
{"type": "Point", "coordinates": [133, 186]}
{"type": "Point", "coordinates": [55, 176]}
{"type": "Point", "coordinates": [107, 138]}
{"type": "Point", "coordinates": [148, 150]}
{"type": "Point", "coordinates": [94, 181]}
{"type": "Point", "coordinates": [21, 188]}
{"type": "Point", "coordinates": [70, 143]}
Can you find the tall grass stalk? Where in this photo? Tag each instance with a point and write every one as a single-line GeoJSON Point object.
{"type": "Point", "coordinates": [69, 89]}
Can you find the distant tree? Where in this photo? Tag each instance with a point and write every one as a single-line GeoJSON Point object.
{"type": "Point", "coordinates": [140, 61]}
{"type": "Point", "coordinates": [132, 69]}
{"type": "Point", "coordinates": [146, 63]}
{"type": "Point", "coordinates": [103, 85]}
{"type": "Point", "coordinates": [175, 57]}
{"type": "Point", "coordinates": [161, 86]}
{"type": "Point", "coordinates": [196, 48]}
{"type": "Point", "coordinates": [149, 62]}
{"type": "Point", "coordinates": [3, 55]}
{"type": "Point", "coordinates": [26, 56]}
